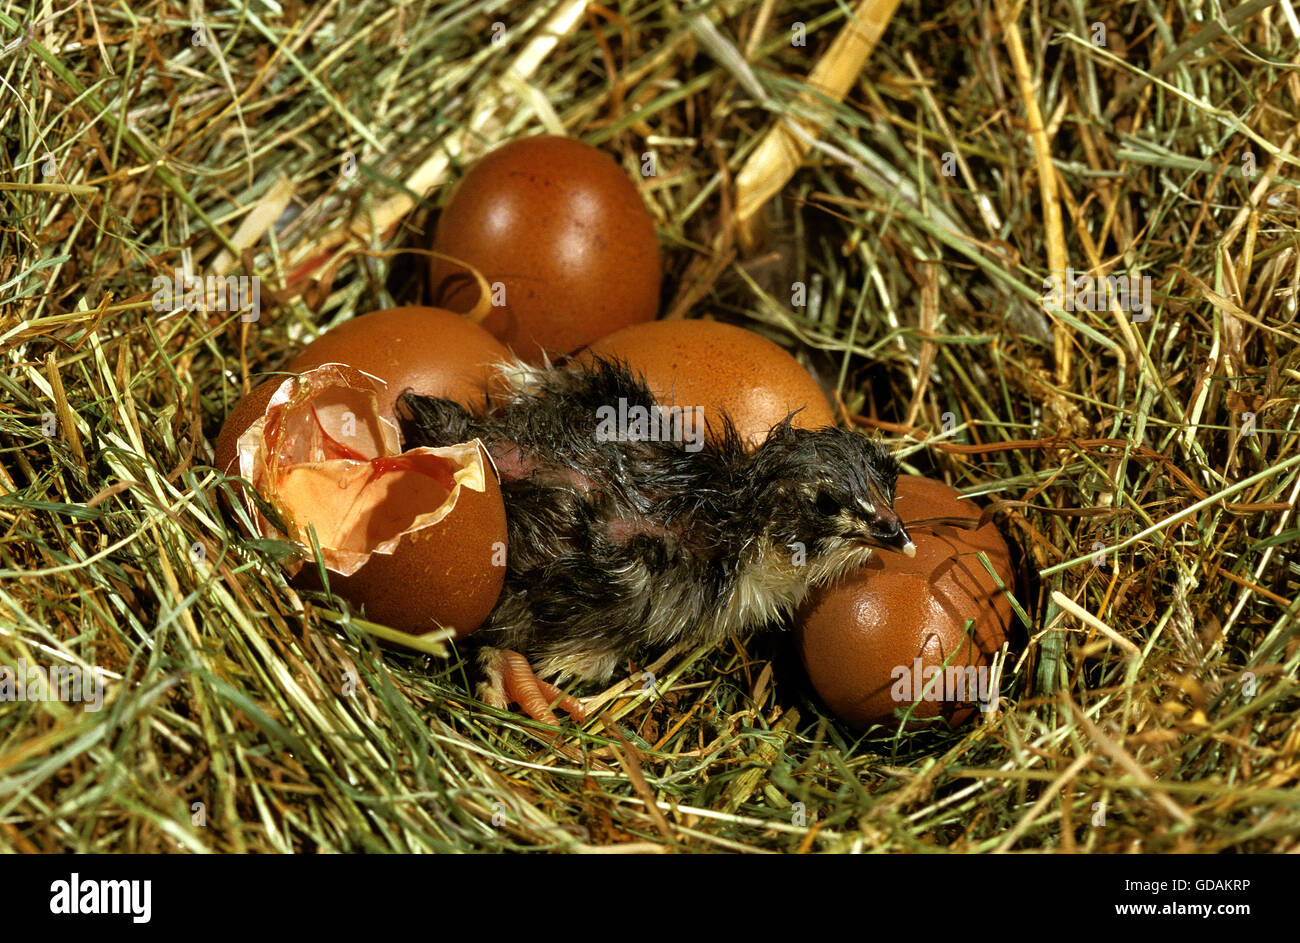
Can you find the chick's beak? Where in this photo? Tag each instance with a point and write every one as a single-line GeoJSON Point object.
{"type": "Point", "coordinates": [889, 534]}
{"type": "Point", "coordinates": [887, 531]}
{"type": "Point", "coordinates": [901, 542]}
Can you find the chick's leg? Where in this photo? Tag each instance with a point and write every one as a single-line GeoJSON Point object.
{"type": "Point", "coordinates": [509, 678]}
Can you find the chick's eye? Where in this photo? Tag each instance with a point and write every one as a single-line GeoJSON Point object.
{"type": "Point", "coordinates": [827, 505]}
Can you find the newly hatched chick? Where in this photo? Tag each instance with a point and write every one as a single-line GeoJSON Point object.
{"type": "Point", "coordinates": [656, 534]}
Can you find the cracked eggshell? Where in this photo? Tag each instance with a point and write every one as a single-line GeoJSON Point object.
{"type": "Point", "coordinates": [448, 573]}
{"type": "Point", "coordinates": [861, 638]}
{"type": "Point", "coordinates": [414, 539]}
{"type": "Point", "coordinates": [432, 351]}
{"type": "Point", "coordinates": [721, 367]}
{"type": "Point", "coordinates": [247, 411]}
{"type": "Point", "coordinates": [563, 231]}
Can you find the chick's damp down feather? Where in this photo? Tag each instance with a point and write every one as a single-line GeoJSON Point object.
{"type": "Point", "coordinates": [629, 543]}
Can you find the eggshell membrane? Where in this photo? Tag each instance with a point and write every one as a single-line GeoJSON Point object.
{"type": "Point", "coordinates": [885, 615]}
{"type": "Point", "coordinates": [721, 367]}
{"type": "Point", "coordinates": [564, 230]}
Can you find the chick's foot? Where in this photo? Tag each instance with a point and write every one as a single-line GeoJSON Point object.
{"type": "Point", "coordinates": [510, 679]}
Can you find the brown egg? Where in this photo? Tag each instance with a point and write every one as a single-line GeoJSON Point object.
{"type": "Point", "coordinates": [432, 351]}
{"type": "Point", "coordinates": [721, 367]}
{"type": "Point", "coordinates": [414, 539]}
{"type": "Point", "coordinates": [564, 232]}
{"type": "Point", "coordinates": [872, 642]}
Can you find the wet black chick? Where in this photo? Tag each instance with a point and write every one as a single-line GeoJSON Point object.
{"type": "Point", "coordinates": [629, 543]}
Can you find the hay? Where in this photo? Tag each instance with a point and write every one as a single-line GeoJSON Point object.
{"type": "Point", "coordinates": [1148, 703]}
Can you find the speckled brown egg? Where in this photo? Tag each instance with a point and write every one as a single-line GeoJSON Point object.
{"type": "Point", "coordinates": [718, 366]}
{"type": "Point", "coordinates": [873, 641]}
{"type": "Point", "coordinates": [563, 233]}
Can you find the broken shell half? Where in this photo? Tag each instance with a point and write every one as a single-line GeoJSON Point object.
{"type": "Point", "coordinates": [417, 539]}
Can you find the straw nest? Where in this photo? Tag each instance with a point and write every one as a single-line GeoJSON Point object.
{"type": "Point", "coordinates": [921, 187]}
